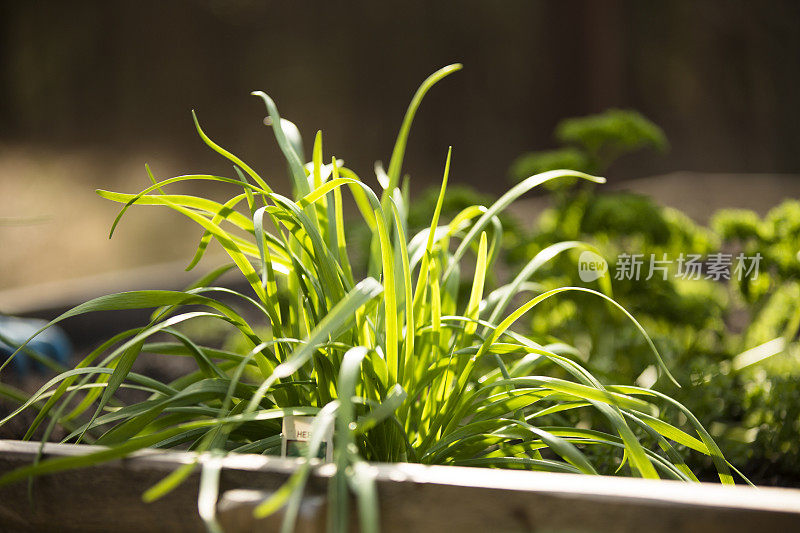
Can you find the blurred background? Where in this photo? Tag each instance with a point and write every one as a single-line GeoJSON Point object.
{"type": "Point", "coordinates": [91, 91]}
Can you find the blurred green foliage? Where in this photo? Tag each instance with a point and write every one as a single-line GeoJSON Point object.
{"type": "Point", "coordinates": [592, 144]}
{"type": "Point", "coordinates": [700, 326]}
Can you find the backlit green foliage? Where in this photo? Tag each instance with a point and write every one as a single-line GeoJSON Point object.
{"type": "Point", "coordinates": [404, 365]}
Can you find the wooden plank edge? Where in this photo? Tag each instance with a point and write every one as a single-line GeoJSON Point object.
{"type": "Point", "coordinates": [408, 492]}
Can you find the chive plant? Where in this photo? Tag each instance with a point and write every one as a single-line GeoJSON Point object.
{"type": "Point", "coordinates": [398, 364]}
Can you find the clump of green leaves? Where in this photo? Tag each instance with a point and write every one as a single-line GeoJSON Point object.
{"type": "Point", "coordinates": [400, 363]}
{"type": "Point", "coordinates": [770, 381]}
{"type": "Point", "coordinates": [700, 326]}
{"type": "Point", "coordinates": [592, 143]}
{"type": "Point", "coordinates": [776, 238]}
{"type": "Point", "coordinates": [684, 317]}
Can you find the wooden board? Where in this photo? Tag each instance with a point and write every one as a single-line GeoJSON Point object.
{"type": "Point", "coordinates": [414, 498]}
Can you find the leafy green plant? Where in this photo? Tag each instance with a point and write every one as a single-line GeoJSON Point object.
{"type": "Point", "coordinates": [769, 368]}
{"type": "Point", "coordinates": [703, 328]}
{"type": "Point", "coordinates": [592, 143]}
{"type": "Point", "coordinates": [683, 316]}
{"type": "Point", "coordinates": [398, 363]}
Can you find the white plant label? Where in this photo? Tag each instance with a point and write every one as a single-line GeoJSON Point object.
{"type": "Point", "coordinates": [297, 434]}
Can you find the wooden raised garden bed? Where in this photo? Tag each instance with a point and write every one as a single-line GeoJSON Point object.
{"type": "Point", "coordinates": [412, 498]}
